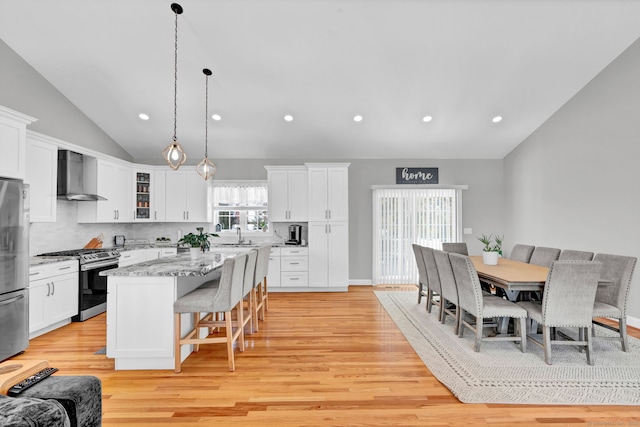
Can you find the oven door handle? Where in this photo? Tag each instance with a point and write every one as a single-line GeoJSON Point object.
{"type": "Point", "coordinates": [10, 300]}
{"type": "Point", "coordinates": [94, 265]}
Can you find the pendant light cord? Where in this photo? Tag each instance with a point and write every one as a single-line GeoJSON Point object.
{"type": "Point", "coordinates": [206, 114]}
{"type": "Point", "coordinates": [175, 83]}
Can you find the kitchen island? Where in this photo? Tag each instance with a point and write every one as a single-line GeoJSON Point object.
{"type": "Point", "coordinates": [140, 307]}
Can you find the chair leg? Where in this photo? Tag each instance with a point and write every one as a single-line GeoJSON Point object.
{"type": "Point", "coordinates": [478, 341]}
{"type": "Point", "coordinates": [419, 292]}
{"type": "Point", "coordinates": [176, 343]}
{"type": "Point", "coordinates": [240, 319]}
{"type": "Point", "coordinates": [546, 339]}
{"type": "Point", "coordinates": [523, 334]}
{"type": "Point", "coordinates": [622, 324]}
{"type": "Point", "coordinates": [229, 331]}
{"type": "Point", "coordinates": [589, 347]}
{"type": "Point", "coordinates": [196, 320]}
{"type": "Point", "coordinates": [429, 299]}
{"type": "Point", "coordinates": [266, 296]}
{"type": "Point", "coordinates": [461, 326]}
{"type": "Point", "coordinates": [456, 330]}
{"type": "Point", "coordinates": [254, 314]}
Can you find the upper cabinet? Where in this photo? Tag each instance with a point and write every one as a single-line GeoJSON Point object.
{"type": "Point", "coordinates": [329, 185]}
{"type": "Point", "coordinates": [41, 175]}
{"type": "Point", "coordinates": [112, 181]}
{"type": "Point", "coordinates": [158, 195]}
{"type": "Point", "coordinates": [13, 130]}
{"type": "Point", "coordinates": [288, 196]}
{"type": "Point", "coordinates": [143, 191]}
{"type": "Point", "coordinates": [186, 197]}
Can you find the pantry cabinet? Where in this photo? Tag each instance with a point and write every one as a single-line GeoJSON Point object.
{"type": "Point", "coordinates": [13, 130]}
{"type": "Point", "coordinates": [53, 296]}
{"type": "Point", "coordinates": [329, 185]}
{"type": "Point", "coordinates": [288, 197]}
{"type": "Point", "coordinates": [329, 254]}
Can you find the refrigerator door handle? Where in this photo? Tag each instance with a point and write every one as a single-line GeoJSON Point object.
{"type": "Point", "coordinates": [10, 300]}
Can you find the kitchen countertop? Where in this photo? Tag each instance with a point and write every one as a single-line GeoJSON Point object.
{"type": "Point", "coordinates": [179, 265]}
{"type": "Point", "coordinates": [36, 261]}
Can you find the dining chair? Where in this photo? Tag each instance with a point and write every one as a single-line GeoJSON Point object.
{"type": "Point", "coordinates": [213, 300]}
{"type": "Point", "coordinates": [260, 291]}
{"type": "Point", "coordinates": [612, 299]}
{"type": "Point", "coordinates": [247, 288]}
{"type": "Point", "coordinates": [521, 253]}
{"type": "Point", "coordinates": [434, 290]}
{"type": "Point", "coordinates": [567, 301]}
{"type": "Point", "coordinates": [422, 272]}
{"type": "Point", "coordinates": [458, 248]}
{"type": "Point", "coordinates": [449, 289]}
{"type": "Point", "coordinates": [480, 305]}
{"type": "Point", "coordinates": [544, 256]}
{"type": "Point", "coordinates": [569, 254]}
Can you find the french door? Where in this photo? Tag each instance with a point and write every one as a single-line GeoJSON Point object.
{"type": "Point", "coordinates": [403, 216]}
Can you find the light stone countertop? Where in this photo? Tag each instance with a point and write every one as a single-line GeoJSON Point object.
{"type": "Point", "coordinates": [36, 261]}
{"type": "Point", "coordinates": [179, 265]}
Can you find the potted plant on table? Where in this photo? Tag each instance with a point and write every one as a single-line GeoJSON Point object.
{"type": "Point", "coordinates": [198, 242]}
{"type": "Point", "coordinates": [492, 248]}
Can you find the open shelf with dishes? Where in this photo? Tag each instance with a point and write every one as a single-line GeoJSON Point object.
{"type": "Point", "coordinates": [143, 195]}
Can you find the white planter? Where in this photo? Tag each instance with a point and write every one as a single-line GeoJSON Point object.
{"type": "Point", "coordinates": [490, 258]}
{"type": "Point", "coordinates": [195, 253]}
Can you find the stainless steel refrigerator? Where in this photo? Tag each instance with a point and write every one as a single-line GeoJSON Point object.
{"type": "Point", "coordinates": [14, 267]}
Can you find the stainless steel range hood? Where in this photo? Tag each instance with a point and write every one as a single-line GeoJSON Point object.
{"type": "Point", "coordinates": [71, 177]}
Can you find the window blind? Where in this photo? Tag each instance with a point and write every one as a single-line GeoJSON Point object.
{"type": "Point", "coordinates": [404, 216]}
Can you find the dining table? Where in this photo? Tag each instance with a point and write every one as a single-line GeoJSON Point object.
{"type": "Point", "coordinates": [512, 276]}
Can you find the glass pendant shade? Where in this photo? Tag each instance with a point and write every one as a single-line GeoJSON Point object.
{"type": "Point", "coordinates": [206, 169]}
{"type": "Point", "coordinates": [174, 155]}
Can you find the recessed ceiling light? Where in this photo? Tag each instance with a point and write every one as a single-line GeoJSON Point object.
{"type": "Point", "coordinates": [357, 118]}
{"type": "Point", "coordinates": [216, 117]}
{"type": "Point", "coordinates": [496, 119]}
{"type": "Point", "coordinates": [143, 116]}
{"type": "Point", "coordinates": [288, 117]}
{"type": "Point", "coordinates": [427, 118]}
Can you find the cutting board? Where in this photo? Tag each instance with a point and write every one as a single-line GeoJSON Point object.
{"type": "Point", "coordinates": [14, 371]}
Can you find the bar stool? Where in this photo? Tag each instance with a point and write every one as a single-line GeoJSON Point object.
{"type": "Point", "coordinates": [223, 299]}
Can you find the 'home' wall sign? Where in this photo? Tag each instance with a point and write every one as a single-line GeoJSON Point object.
{"type": "Point", "coordinates": [416, 175]}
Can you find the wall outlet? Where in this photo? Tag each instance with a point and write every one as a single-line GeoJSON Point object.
{"type": "Point", "coordinates": [467, 231]}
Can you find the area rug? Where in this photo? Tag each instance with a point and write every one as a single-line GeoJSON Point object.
{"type": "Point", "coordinates": [501, 373]}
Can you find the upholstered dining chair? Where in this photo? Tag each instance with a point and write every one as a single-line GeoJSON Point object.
{"type": "Point", "coordinates": [213, 300]}
{"type": "Point", "coordinates": [449, 289]}
{"type": "Point", "coordinates": [570, 254]}
{"type": "Point", "coordinates": [458, 248]}
{"type": "Point", "coordinates": [521, 253]}
{"type": "Point", "coordinates": [544, 256]}
{"type": "Point", "coordinates": [612, 299]}
{"type": "Point", "coordinates": [434, 291]}
{"type": "Point", "coordinates": [569, 293]}
{"type": "Point", "coordinates": [260, 290]}
{"type": "Point", "coordinates": [473, 301]}
{"type": "Point", "coordinates": [422, 272]}
{"type": "Point", "coordinates": [247, 288]}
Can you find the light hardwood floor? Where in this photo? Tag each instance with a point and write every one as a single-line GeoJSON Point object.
{"type": "Point", "coordinates": [320, 359]}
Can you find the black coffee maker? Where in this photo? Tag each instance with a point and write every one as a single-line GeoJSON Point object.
{"type": "Point", "coordinates": [295, 235]}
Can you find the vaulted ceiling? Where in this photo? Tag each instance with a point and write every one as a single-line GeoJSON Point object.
{"type": "Point", "coordinates": [393, 62]}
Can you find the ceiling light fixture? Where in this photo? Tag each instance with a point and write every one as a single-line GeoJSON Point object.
{"type": "Point", "coordinates": [357, 118]}
{"type": "Point", "coordinates": [496, 119]}
{"type": "Point", "coordinates": [427, 119]}
{"type": "Point", "coordinates": [206, 169]}
{"type": "Point", "coordinates": [174, 154]}
{"type": "Point", "coordinates": [216, 117]}
{"type": "Point", "coordinates": [288, 117]}
{"type": "Point", "coordinates": [143, 116]}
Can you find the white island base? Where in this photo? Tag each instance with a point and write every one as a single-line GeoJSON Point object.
{"type": "Point", "coordinates": [140, 319]}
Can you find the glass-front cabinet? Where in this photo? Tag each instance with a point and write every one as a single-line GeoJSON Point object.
{"type": "Point", "coordinates": [143, 196]}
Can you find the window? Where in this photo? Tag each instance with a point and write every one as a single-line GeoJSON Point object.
{"type": "Point", "coordinates": [401, 217]}
{"type": "Point", "coordinates": [240, 204]}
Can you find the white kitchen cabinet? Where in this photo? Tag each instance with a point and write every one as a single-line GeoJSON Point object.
{"type": "Point", "coordinates": [144, 201]}
{"type": "Point", "coordinates": [128, 258]}
{"type": "Point", "coordinates": [294, 267]}
{"type": "Point", "coordinates": [186, 197]}
{"type": "Point", "coordinates": [41, 175]}
{"type": "Point", "coordinates": [288, 194]}
{"type": "Point", "coordinates": [112, 181]}
{"type": "Point", "coordinates": [158, 192]}
{"type": "Point", "coordinates": [329, 190]}
{"type": "Point", "coordinates": [53, 296]}
{"type": "Point", "coordinates": [273, 273]}
{"type": "Point", "coordinates": [329, 254]}
{"type": "Point", "coordinates": [13, 130]}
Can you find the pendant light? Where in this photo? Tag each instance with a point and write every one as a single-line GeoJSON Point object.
{"type": "Point", "coordinates": [174, 154]}
{"type": "Point", "coordinates": [206, 169]}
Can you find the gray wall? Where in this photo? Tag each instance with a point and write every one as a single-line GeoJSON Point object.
{"type": "Point", "coordinates": [573, 183]}
{"type": "Point", "coordinates": [24, 90]}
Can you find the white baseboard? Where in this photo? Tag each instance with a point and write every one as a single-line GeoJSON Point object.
{"type": "Point", "coordinates": [364, 282]}
{"type": "Point", "coordinates": [633, 321]}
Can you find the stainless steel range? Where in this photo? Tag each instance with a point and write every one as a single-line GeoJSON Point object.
{"type": "Point", "coordinates": [92, 298]}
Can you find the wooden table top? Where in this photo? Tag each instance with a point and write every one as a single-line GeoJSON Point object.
{"type": "Point", "coordinates": [511, 272]}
